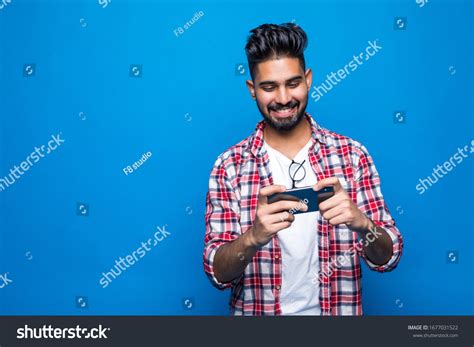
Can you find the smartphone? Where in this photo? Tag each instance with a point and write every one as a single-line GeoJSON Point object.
{"type": "Point", "coordinates": [305, 195]}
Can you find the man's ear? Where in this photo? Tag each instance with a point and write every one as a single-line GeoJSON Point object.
{"type": "Point", "coordinates": [251, 88]}
{"type": "Point", "coordinates": [309, 77]}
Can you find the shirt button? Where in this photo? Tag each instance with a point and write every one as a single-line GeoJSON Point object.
{"type": "Point", "coordinates": [278, 287]}
{"type": "Point", "coordinates": [277, 256]}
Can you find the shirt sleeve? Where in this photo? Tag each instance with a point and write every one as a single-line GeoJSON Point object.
{"type": "Point", "coordinates": [371, 202]}
{"type": "Point", "coordinates": [222, 221]}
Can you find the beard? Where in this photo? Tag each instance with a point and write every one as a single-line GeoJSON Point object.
{"type": "Point", "coordinates": [286, 124]}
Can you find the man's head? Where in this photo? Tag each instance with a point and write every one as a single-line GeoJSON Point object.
{"type": "Point", "coordinates": [280, 83]}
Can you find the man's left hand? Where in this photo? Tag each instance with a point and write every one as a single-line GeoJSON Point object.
{"type": "Point", "coordinates": [340, 209]}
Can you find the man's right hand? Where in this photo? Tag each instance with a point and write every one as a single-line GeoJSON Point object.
{"type": "Point", "coordinates": [232, 258]}
{"type": "Point", "coordinates": [271, 218]}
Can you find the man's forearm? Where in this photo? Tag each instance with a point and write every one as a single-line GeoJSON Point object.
{"type": "Point", "coordinates": [378, 245]}
{"type": "Point", "coordinates": [232, 258]}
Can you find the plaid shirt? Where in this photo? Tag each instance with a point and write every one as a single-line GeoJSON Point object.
{"type": "Point", "coordinates": [236, 178]}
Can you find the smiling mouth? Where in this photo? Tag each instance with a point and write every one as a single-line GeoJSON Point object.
{"type": "Point", "coordinates": [284, 113]}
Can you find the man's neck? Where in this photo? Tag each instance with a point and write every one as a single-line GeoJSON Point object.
{"type": "Point", "coordinates": [288, 143]}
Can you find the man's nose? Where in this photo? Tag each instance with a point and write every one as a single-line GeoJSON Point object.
{"type": "Point", "coordinates": [283, 97]}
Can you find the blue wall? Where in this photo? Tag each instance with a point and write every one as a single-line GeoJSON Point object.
{"type": "Point", "coordinates": [187, 105]}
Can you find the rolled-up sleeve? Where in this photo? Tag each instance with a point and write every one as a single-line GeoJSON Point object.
{"type": "Point", "coordinates": [222, 220]}
{"type": "Point", "coordinates": [371, 202]}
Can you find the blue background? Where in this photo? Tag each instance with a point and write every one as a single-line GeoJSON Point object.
{"type": "Point", "coordinates": [189, 104]}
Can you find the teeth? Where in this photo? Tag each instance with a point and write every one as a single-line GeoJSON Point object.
{"type": "Point", "coordinates": [285, 110]}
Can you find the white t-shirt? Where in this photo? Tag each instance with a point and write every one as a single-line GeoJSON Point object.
{"type": "Point", "coordinates": [299, 294]}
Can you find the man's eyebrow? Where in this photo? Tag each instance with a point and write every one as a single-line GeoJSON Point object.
{"type": "Point", "coordinates": [292, 79]}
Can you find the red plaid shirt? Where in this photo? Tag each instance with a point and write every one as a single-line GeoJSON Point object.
{"type": "Point", "coordinates": [236, 178]}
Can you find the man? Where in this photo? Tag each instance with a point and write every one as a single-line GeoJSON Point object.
{"type": "Point", "coordinates": [274, 261]}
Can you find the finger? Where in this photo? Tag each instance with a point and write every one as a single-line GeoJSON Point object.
{"type": "Point", "coordinates": [269, 190]}
{"type": "Point", "coordinates": [280, 226]}
{"type": "Point", "coordinates": [285, 205]}
{"type": "Point", "coordinates": [332, 202]}
{"type": "Point", "coordinates": [333, 212]}
{"type": "Point", "coordinates": [328, 182]}
{"type": "Point", "coordinates": [271, 219]}
{"type": "Point", "coordinates": [283, 217]}
{"type": "Point", "coordinates": [340, 219]}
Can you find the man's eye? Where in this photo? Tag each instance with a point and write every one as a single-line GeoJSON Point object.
{"type": "Point", "coordinates": [294, 84]}
{"type": "Point", "coordinates": [268, 89]}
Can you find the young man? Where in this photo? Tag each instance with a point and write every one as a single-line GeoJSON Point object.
{"type": "Point", "coordinates": [274, 261]}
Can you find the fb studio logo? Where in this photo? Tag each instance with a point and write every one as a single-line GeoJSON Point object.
{"type": "Point", "coordinates": [181, 30]}
{"type": "Point", "coordinates": [131, 168]}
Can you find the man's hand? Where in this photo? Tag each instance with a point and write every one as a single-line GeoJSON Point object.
{"type": "Point", "coordinates": [271, 218]}
{"type": "Point", "coordinates": [340, 209]}
{"type": "Point", "coordinates": [232, 258]}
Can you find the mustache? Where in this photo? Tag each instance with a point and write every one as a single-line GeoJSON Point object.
{"type": "Point", "coordinates": [278, 107]}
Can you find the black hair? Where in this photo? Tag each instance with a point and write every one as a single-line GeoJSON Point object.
{"type": "Point", "coordinates": [270, 41]}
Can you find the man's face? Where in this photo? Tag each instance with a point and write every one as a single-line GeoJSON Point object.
{"type": "Point", "coordinates": [280, 88]}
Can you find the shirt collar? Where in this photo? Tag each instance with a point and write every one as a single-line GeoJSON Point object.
{"type": "Point", "coordinates": [317, 133]}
